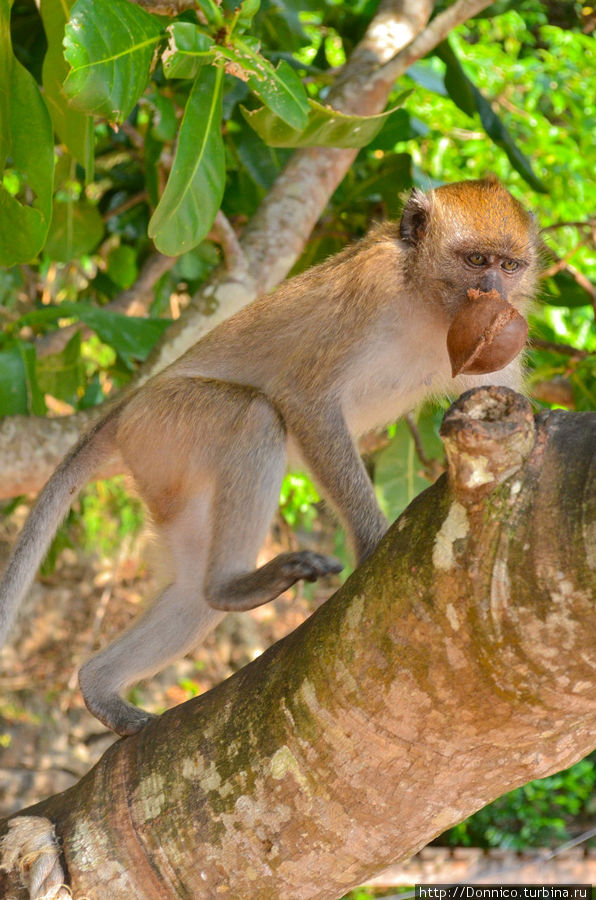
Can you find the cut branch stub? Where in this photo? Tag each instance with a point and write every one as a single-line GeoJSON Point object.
{"type": "Point", "coordinates": [488, 434]}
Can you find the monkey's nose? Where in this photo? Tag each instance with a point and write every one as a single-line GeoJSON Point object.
{"type": "Point", "coordinates": [492, 281]}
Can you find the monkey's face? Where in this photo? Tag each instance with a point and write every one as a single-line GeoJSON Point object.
{"type": "Point", "coordinates": [477, 264]}
{"type": "Point", "coordinates": [470, 235]}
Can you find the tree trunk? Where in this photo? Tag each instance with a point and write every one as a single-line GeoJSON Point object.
{"type": "Point", "coordinates": [457, 663]}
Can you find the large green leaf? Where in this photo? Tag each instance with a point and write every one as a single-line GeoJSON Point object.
{"type": "Point", "coordinates": [280, 89]}
{"type": "Point", "coordinates": [76, 228]}
{"type": "Point", "coordinates": [74, 128]}
{"type": "Point", "coordinates": [26, 139]}
{"type": "Point", "coordinates": [466, 95]}
{"type": "Point", "coordinates": [132, 337]}
{"type": "Point", "coordinates": [109, 45]}
{"type": "Point", "coordinates": [325, 128]}
{"type": "Point", "coordinates": [398, 471]}
{"type": "Point", "coordinates": [195, 187]}
{"type": "Point", "coordinates": [188, 49]}
{"type": "Point", "coordinates": [501, 137]}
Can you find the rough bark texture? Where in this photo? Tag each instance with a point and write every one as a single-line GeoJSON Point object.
{"type": "Point", "coordinates": [457, 663]}
{"type": "Point", "coordinates": [276, 236]}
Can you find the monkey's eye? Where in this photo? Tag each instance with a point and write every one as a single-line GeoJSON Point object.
{"type": "Point", "coordinates": [476, 259]}
{"type": "Point", "coordinates": [510, 265]}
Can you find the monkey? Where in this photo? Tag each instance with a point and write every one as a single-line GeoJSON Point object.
{"type": "Point", "coordinates": [347, 346]}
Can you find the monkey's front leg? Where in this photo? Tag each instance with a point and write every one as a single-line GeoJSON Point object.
{"type": "Point", "coordinates": [332, 457]}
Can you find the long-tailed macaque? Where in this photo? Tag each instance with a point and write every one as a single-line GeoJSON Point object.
{"type": "Point", "coordinates": [347, 346]}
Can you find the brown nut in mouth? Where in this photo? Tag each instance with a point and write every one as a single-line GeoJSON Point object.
{"type": "Point", "coordinates": [485, 335]}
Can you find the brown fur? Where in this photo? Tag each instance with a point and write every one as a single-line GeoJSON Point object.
{"type": "Point", "coordinates": [349, 345]}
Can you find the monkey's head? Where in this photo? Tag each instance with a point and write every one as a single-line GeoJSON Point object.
{"type": "Point", "coordinates": [472, 234]}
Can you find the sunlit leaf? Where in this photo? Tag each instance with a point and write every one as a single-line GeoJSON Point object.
{"type": "Point", "coordinates": [195, 187]}
{"type": "Point", "coordinates": [469, 99]}
{"type": "Point", "coordinates": [280, 89]}
{"type": "Point", "coordinates": [109, 45]}
{"type": "Point", "coordinates": [188, 49]}
{"type": "Point", "coordinates": [325, 128]}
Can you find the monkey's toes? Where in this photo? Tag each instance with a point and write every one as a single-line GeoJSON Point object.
{"type": "Point", "coordinates": [118, 715]}
{"type": "Point", "coordinates": [310, 566]}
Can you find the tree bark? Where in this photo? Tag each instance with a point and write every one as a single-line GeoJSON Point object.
{"type": "Point", "coordinates": [273, 240]}
{"type": "Point", "coordinates": [457, 663]}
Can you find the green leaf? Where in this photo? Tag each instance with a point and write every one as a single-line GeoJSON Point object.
{"type": "Point", "coordinates": [262, 163]}
{"type": "Point", "coordinates": [74, 128]}
{"type": "Point", "coordinates": [501, 137]}
{"type": "Point", "coordinates": [468, 98]}
{"type": "Point", "coordinates": [325, 128]}
{"type": "Point", "coordinates": [110, 46]}
{"type": "Point", "coordinates": [280, 89]}
{"type": "Point", "coordinates": [563, 290]}
{"type": "Point", "coordinates": [398, 471]}
{"type": "Point", "coordinates": [396, 129]}
{"type": "Point", "coordinates": [165, 122]}
{"type": "Point", "coordinates": [130, 336]}
{"type": "Point", "coordinates": [26, 137]}
{"type": "Point", "coordinates": [247, 12]}
{"type": "Point", "coordinates": [19, 390]}
{"type": "Point", "coordinates": [122, 265]}
{"type": "Point", "coordinates": [195, 187]}
{"type": "Point", "coordinates": [76, 229]}
{"type": "Point", "coordinates": [393, 175]}
{"type": "Point", "coordinates": [188, 49]}
{"type": "Point", "coordinates": [63, 374]}
{"type": "Point", "coordinates": [6, 63]}
{"type": "Point", "coordinates": [212, 12]}
{"type": "Point", "coordinates": [457, 83]}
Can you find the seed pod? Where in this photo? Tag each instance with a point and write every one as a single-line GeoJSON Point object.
{"type": "Point", "coordinates": [485, 335]}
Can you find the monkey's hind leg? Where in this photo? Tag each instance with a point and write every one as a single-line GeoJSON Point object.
{"type": "Point", "coordinates": [172, 625]}
{"type": "Point", "coordinates": [212, 480]}
{"type": "Point", "coordinates": [245, 499]}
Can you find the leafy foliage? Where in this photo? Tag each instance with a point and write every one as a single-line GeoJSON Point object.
{"type": "Point", "coordinates": [537, 814]}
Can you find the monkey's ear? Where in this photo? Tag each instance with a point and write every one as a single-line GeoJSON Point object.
{"type": "Point", "coordinates": [414, 220]}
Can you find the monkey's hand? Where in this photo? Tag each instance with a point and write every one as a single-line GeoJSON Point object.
{"type": "Point", "coordinates": [327, 447]}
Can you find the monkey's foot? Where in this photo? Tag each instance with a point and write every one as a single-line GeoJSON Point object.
{"type": "Point", "coordinates": [117, 714]}
{"type": "Point", "coordinates": [265, 584]}
{"type": "Point", "coordinates": [307, 566]}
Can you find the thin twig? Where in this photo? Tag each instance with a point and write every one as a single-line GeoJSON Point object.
{"type": "Point", "coordinates": [564, 349]}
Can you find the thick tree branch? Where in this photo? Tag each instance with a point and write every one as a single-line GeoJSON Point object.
{"type": "Point", "coordinates": [457, 663]}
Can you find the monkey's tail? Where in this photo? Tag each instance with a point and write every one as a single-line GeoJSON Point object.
{"type": "Point", "coordinates": [53, 503]}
